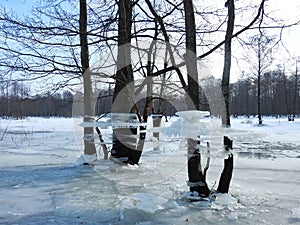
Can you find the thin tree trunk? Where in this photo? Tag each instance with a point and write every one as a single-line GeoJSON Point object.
{"type": "Point", "coordinates": [89, 144]}
{"type": "Point", "coordinates": [259, 99]}
{"type": "Point", "coordinates": [150, 65]}
{"type": "Point", "coordinates": [227, 63]}
{"type": "Point", "coordinates": [259, 84]}
{"type": "Point", "coordinates": [162, 87]}
{"type": "Point", "coordinates": [295, 94]}
{"type": "Point", "coordinates": [286, 96]}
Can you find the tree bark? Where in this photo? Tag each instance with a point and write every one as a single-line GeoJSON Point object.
{"type": "Point", "coordinates": [259, 96]}
{"type": "Point", "coordinates": [89, 144]}
{"type": "Point", "coordinates": [227, 63]}
{"type": "Point", "coordinates": [190, 57]}
{"type": "Point", "coordinates": [124, 97]}
{"type": "Point", "coordinates": [124, 74]}
{"type": "Point", "coordinates": [295, 93]}
{"type": "Point", "coordinates": [259, 73]}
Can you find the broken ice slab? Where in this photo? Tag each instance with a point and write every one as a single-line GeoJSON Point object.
{"type": "Point", "coordinates": [190, 124]}
{"type": "Point", "coordinates": [193, 115]}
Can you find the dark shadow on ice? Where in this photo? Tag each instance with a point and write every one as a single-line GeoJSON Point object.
{"type": "Point", "coordinates": [255, 155]}
{"type": "Point", "coordinates": [294, 220]}
{"type": "Point", "coordinates": [56, 195]}
{"type": "Point", "coordinates": [27, 175]}
{"type": "Point", "coordinates": [73, 216]}
{"type": "Point", "coordinates": [259, 149]}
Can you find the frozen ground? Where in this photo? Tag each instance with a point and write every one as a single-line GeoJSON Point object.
{"type": "Point", "coordinates": [42, 183]}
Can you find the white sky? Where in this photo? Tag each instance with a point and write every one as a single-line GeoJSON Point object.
{"type": "Point", "coordinates": [289, 12]}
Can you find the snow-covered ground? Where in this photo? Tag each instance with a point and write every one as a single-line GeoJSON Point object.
{"type": "Point", "coordinates": [43, 183]}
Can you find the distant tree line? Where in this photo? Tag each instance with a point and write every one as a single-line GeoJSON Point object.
{"type": "Point", "coordinates": [278, 97]}
{"type": "Point", "coordinates": [15, 101]}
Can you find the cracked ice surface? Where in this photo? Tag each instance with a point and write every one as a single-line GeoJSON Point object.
{"type": "Point", "coordinates": [41, 183]}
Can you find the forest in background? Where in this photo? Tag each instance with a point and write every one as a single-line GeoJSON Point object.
{"type": "Point", "coordinates": [278, 98]}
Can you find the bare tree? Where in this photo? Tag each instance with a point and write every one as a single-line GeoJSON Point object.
{"type": "Point", "coordinates": [263, 46]}
{"type": "Point", "coordinates": [212, 47]}
{"type": "Point", "coordinates": [50, 44]}
{"type": "Point", "coordinates": [227, 62]}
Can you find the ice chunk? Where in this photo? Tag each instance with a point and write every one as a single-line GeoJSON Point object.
{"type": "Point", "coordinates": [296, 212]}
{"type": "Point", "coordinates": [147, 202]}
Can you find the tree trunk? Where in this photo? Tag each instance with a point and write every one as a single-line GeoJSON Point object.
{"type": "Point", "coordinates": [190, 57]}
{"type": "Point", "coordinates": [259, 99]}
{"type": "Point", "coordinates": [197, 178]}
{"type": "Point", "coordinates": [125, 146]}
{"type": "Point", "coordinates": [194, 157]}
{"type": "Point", "coordinates": [295, 94]}
{"type": "Point", "coordinates": [227, 63]}
{"type": "Point", "coordinates": [89, 144]}
{"type": "Point", "coordinates": [124, 74]}
{"type": "Point", "coordinates": [259, 83]}
{"type": "Point", "coordinates": [286, 95]}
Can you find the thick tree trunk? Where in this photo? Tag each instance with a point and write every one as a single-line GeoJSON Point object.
{"type": "Point", "coordinates": [190, 57]}
{"type": "Point", "coordinates": [124, 74]}
{"type": "Point", "coordinates": [125, 141]}
{"type": "Point", "coordinates": [197, 179]}
{"type": "Point", "coordinates": [89, 145]}
{"type": "Point", "coordinates": [227, 63]}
